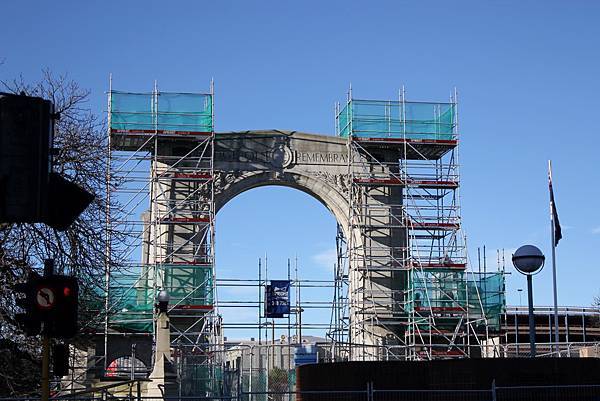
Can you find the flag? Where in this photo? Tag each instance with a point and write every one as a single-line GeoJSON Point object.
{"type": "Point", "coordinates": [553, 212]}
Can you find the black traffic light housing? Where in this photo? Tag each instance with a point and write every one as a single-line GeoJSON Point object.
{"type": "Point", "coordinates": [50, 306]}
{"type": "Point", "coordinates": [25, 143]}
{"type": "Point", "coordinates": [28, 320]}
{"type": "Point", "coordinates": [29, 191]}
{"type": "Point", "coordinates": [61, 320]}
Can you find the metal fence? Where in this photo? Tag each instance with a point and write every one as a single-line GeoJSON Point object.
{"type": "Point", "coordinates": [494, 393]}
{"type": "Point", "coordinates": [252, 369]}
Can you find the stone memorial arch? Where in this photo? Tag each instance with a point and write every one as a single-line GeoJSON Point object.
{"type": "Point", "coordinates": [389, 176]}
{"type": "Point", "coordinates": [318, 165]}
{"type": "Point", "coordinates": [189, 173]}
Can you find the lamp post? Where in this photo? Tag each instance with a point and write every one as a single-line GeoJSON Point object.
{"type": "Point", "coordinates": [161, 374]}
{"type": "Point", "coordinates": [163, 299]}
{"type": "Point", "coordinates": [520, 290]}
{"type": "Point", "coordinates": [529, 260]}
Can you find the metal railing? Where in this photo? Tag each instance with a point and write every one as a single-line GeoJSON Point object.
{"type": "Point", "coordinates": [583, 392]}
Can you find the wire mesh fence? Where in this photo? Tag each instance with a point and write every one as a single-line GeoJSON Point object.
{"type": "Point", "coordinates": [494, 393]}
{"type": "Point", "coordinates": [252, 368]}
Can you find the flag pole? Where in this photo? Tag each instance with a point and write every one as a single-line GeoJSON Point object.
{"type": "Point", "coordinates": [552, 230]}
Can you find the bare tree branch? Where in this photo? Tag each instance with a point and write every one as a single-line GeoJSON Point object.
{"type": "Point", "coordinates": [81, 156]}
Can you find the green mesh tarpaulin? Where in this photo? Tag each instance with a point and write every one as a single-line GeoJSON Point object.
{"type": "Point", "coordinates": [132, 111]}
{"type": "Point", "coordinates": [200, 377]}
{"type": "Point", "coordinates": [343, 122]}
{"type": "Point", "coordinates": [189, 284]}
{"type": "Point", "coordinates": [481, 295]}
{"type": "Point", "coordinates": [396, 119]}
{"type": "Point", "coordinates": [133, 297]}
{"type": "Point", "coordinates": [490, 289]}
{"type": "Point", "coordinates": [184, 112]}
{"type": "Point", "coordinates": [160, 112]}
{"type": "Point", "coordinates": [439, 289]}
{"type": "Point", "coordinates": [132, 302]}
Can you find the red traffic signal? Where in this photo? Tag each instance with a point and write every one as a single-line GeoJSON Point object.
{"type": "Point", "coordinates": [62, 314]}
{"type": "Point", "coordinates": [50, 306]}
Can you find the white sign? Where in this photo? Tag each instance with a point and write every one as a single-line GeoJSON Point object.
{"type": "Point", "coordinates": [45, 298]}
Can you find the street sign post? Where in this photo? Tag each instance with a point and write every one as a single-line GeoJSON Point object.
{"type": "Point", "coordinates": [50, 308]}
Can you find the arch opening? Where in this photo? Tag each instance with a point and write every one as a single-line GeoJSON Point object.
{"type": "Point", "coordinates": [275, 222]}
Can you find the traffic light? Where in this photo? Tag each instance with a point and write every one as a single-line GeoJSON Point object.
{"type": "Point", "coordinates": [28, 320]}
{"type": "Point", "coordinates": [50, 306]}
{"type": "Point", "coordinates": [25, 143]}
{"type": "Point", "coordinates": [61, 320]}
{"type": "Point", "coordinates": [65, 202]}
{"type": "Point", "coordinates": [29, 191]}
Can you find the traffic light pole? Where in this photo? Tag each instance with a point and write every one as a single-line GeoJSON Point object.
{"type": "Point", "coordinates": [50, 306]}
{"type": "Point", "coordinates": [48, 271]}
{"type": "Point", "coordinates": [45, 367]}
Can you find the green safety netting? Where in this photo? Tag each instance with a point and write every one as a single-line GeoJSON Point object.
{"type": "Point", "coordinates": [189, 284]}
{"type": "Point", "coordinates": [438, 290]}
{"type": "Point", "coordinates": [133, 296]}
{"type": "Point", "coordinates": [149, 112]}
{"type": "Point", "coordinates": [491, 291]}
{"type": "Point", "coordinates": [483, 296]}
{"type": "Point", "coordinates": [396, 119]}
{"type": "Point", "coordinates": [131, 301]}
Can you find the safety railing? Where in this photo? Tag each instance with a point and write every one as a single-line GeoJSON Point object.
{"type": "Point", "coordinates": [160, 112]}
{"type": "Point", "coordinates": [397, 119]}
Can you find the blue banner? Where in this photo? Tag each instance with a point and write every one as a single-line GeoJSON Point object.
{"type": "Point", "coordinates": [277, 298]}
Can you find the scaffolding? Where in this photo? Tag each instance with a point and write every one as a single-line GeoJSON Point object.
{"type": "Point", "coordinates": [400, 289]}
{"type": "Point", "coordinates": [264, 361]}
{"type": "Point", "coordinates": [339, 324]}
{"type": "Point", "coordinates": [161, 168]}
{"type": "Point", "coordinates": [409, 285]}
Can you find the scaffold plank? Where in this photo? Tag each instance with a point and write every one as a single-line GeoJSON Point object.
{"type": "Point", "coordinates": [432, 184]}
{"type": "Point", "coordinates": [184, 220]}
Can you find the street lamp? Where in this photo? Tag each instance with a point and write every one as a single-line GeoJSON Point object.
{"type": "Point", "coordinates": [163, 299]}
{"type": "Point", "coordinates": [529, 260]}
{"type": "Point", "coordinates": [520, 290]}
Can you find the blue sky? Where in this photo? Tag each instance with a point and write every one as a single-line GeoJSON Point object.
{"type": "Point", "coordinates": [526, 72]}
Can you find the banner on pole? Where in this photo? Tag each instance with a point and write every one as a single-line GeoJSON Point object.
{"type": "Point", "coordinates": [277, 298]}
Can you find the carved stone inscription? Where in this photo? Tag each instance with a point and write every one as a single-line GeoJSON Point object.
{"type": "Point", "coordinates": [279, 150]}
{"type": "Point", "coordinates": [281, 158]}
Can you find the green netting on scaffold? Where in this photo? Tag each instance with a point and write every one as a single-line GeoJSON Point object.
{"type": "Point", "coordinates": [189, 285]}
{"type": "Point", "coordinates": [489, 289]}
{"type": "Point", "coordinates": [132, 296]}
{"type": "Point", "coordinates": [438, 290]}
{"type": "Point", "coordinates": [397, 119]}
{"type": "Point", "coordinates": [161, 112]}
{"type": "Point", "coordinates": [132, 111]}
{"type": "Point", "coordinates": [482, 296]}
{"type": "Point", "coordinates": [131, 302]}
